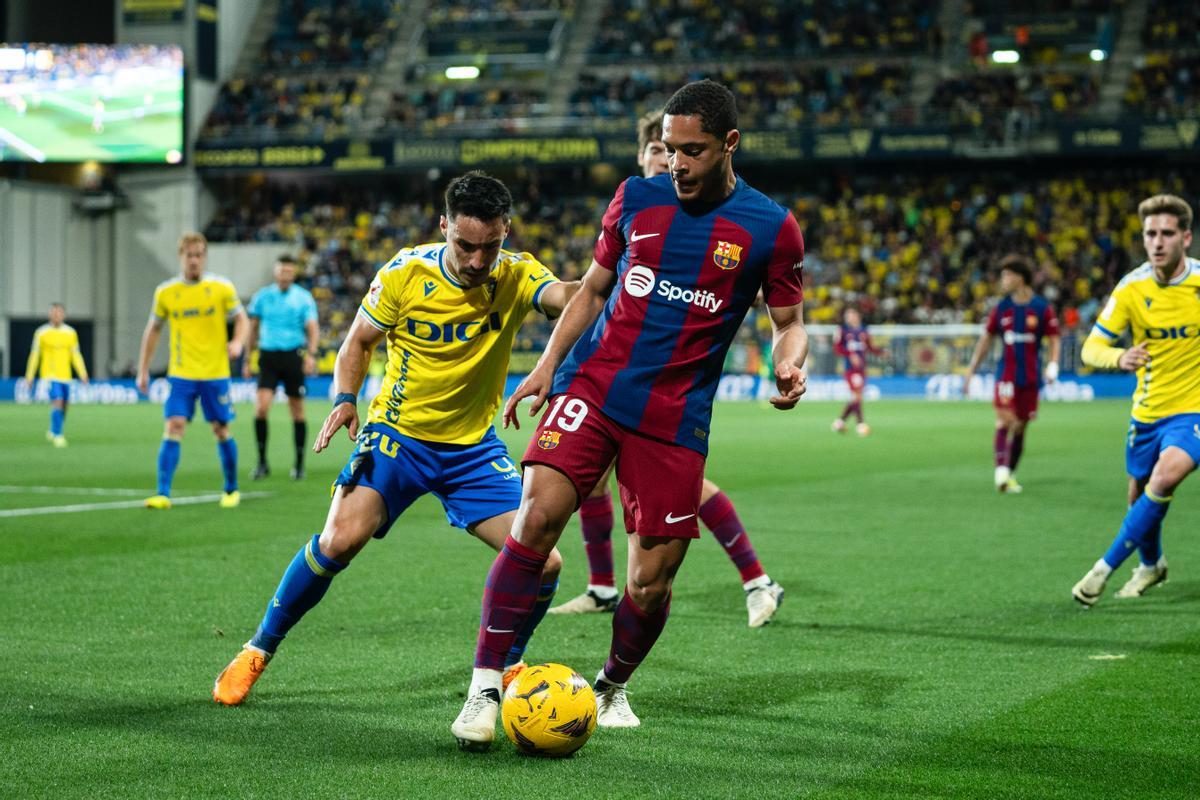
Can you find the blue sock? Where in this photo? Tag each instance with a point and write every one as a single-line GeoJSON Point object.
{"type": "Point", "coordinates": [1150, 550]}
{"type": "Point", "coordinates": [303, 585]}
{"type": "Point", "coordinates": [56, 421]}
{"type": "Point", "coordinates": [1145, 515]}
{"type": "Point", "coordinates": [545, 596]}
{"type": "Point", "coordinates": [227, 450]}
{"type": "Point", "coordinates": [168, 460]}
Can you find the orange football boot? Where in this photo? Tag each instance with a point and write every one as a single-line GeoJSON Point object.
{"type": "Point", "coordinates": [235, 681]}
{"type": "Point", "coordinates": [511, 674]}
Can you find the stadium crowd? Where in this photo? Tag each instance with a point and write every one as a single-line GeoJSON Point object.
{"type": "Point", "coordinates": [905, 248]}
{"type": "Point", "coordinates": [1003, 105]}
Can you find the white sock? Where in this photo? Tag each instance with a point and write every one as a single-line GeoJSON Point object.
{"type": "Point", "coordinates": [603, 592]}
{"type": "Point", "coordinates": [484, 679]}
{"type": "Point", "coordinates": [1102, 567]}
{"type": "Point", "coordinates": [756, 583]}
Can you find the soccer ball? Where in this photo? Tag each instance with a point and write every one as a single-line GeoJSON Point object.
{"type": "Point", "coordinates": [549, 710]}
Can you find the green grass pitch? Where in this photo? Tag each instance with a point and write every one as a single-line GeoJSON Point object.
{"type": "Point", "coordinates": [928, 645]}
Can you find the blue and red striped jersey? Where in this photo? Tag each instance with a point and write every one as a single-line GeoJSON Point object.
{"type": "Point", "coordinates": [852, 345]}
{"type": "Point", "coordinates": [1021, 329]}
{"type": "Point", "coordinates": [686, 276]}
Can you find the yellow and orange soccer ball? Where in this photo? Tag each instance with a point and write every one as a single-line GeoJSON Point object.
{"type": "Point", "coordinates": [549, 710]}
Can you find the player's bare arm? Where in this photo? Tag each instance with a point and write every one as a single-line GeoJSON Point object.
{"type": "Point", "coordinates": [312, 338]}
{"type": "Point", "coordinates": [580, 312]}
{"type": "Point", "coordinates": [251, 344]}
{"type": "Point", "coordinates": [556, 296]}
{"type": "Point", "coordinates": [1052, 364]}
{"type": "Point", "coordinates": [149, 343]}
{"type": "Point", "coordinates": [981, 349]}
{"type": "Point", "coordinates": [348, 373]}
{"type": "Point", "coordinates": [789, 350]}
{"type": "Point", "coordinates": [241, 332]}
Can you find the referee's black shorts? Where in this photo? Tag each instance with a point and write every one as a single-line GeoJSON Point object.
{"type": "Point", "coordinates": [286, 366]}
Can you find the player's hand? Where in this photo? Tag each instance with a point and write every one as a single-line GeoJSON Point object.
{"type": "Point", "coordinates": [791, 382]}
{"type": "Point", "coordinates": [1051, 373]}
{"type": "Point", "coordinates": [1134, 358]}
{"type": "Point", "coordinates": [85, 380]}
{"type": "Point", "coordinates": [143, 383]}
{"type": "Point", "coordinates": [310, 365]}
{"type": "Point", "coordinates": [246, 368]}
{"type": "Point", "coordinates": [344, 415]}
{"type": "Point", "coordinates": [235, 350]}
{"type": "Point", "coordinates": [966, 384]}
{"type": "Point", "coordinates": [536, 385]}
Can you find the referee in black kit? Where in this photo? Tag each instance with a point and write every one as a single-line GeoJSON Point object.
{"type": "Point", "coordinates": [283, 325]}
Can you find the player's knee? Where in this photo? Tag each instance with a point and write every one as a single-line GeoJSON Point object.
{"type": "Point", "coordinates": [221, 430]}
{"type": "Point", "coordinates": [342, 542]}
{"type": "Point", "coordinates": [174, 428]}
{"type": "Point", "coordinates": [538, 528]}
{"type": "Point", "coordinates": [652, 594]}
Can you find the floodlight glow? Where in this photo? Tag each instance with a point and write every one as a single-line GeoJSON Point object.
{"type": "Point", "coordinates": [1006, 56]}
{"type": "Point", "coordinates": [462, 73]}
{"type": "Point", "coordinates": [12, 59]}
{"type": "Point", "coordinates": [1099, 55]}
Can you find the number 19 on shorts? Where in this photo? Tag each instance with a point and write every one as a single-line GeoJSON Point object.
{"type": "Point", "coordinates": [567, 414]}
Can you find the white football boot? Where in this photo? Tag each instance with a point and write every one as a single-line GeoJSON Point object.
{"type": "Point", "coordinates": [762, 602]}
{"type": "Point", "coordinates": [612, 706]}
{"type": "Point", "coordinates": [1091, 585]}
{"type": "Point", "coordinates": [475, 727]}
{"type": "Point", "coordinates": [587, 603]}
{"type": "Point", "coordinates": [1143, 578]}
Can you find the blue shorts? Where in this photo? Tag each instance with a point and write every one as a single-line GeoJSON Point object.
{"type": "Point", "coordinates": [213, 395]}
{"type": "Point", "coordinates": [1147, 439]}
{"type": "Point", "coordinates": [60, 390]}
{"type": "Point", "coordinates": [475, 482]}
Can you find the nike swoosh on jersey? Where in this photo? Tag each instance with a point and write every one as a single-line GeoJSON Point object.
{"type": "Point", "coordinates": [672, 519]}
{"type": "Point", "coordinates": [635, 237]}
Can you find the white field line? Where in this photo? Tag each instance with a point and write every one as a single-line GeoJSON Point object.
{"type": "Point", "coordinates": [117, 504]}
{"type": "Point", "coordinates": [13, 489]}
{"type": "Point", "coordinates": [22, 145]}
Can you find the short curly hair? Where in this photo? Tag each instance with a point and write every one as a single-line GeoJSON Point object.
{"type": "Point", "coordinates": [479, 195]}
{"type": "Point", "coordinates": [712, 102]}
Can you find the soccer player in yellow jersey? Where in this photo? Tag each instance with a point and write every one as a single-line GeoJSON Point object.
{"type": "Point", "coordinates": [198, 306]}
{"type": "Point", "coordinates": [54, 353]}
{"type": "Point", "coordinates": [1159, 302]}
{"type": "Point", "coordinates": [449, 313]}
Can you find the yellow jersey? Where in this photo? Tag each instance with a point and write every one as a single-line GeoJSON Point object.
{"type": "Point", "coordinates": [198, 314]}
{"type": "Point", "coordinates": [447, 346]}
{"type": "Point", "coordinates": [55, 350]}
{"type": "Point", "coordinates": [1166, 319]}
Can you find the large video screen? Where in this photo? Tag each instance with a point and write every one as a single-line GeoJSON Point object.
{"type": "Point", "coordinates": [110, 103]}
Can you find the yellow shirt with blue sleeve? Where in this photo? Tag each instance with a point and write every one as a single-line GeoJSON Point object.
{"type": "Point", "coordinates": [448, 346]}
{"type": "Point", "coordinates": [1166, 319]}
{"type": "Point", "coordinates": [198, 314]}
{"type": "Point", "coordinates": [54, 353]}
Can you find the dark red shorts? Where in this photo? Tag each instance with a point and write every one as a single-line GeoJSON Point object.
{"type": "Point", "coordinates": [1022, 401]}
{"type": "Point", "coordinates": [856, 380]}
{"type": "Point", "coordinates": [659, 481]}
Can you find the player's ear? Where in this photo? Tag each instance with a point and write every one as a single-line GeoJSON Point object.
{"type": "Point", "coordinates": [732, 140]}
{"type": "Point", "coordinates": [444, 224]}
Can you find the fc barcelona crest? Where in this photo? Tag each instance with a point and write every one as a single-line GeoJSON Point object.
{"type": "Point", "coordinates": [549, 440]}
{"type": "Point", "coordinates": [727, 255]}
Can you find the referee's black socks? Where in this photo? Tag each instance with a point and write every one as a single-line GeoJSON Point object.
{"type": "Point", "coordinates": [260, 434]}
{"type": "Point", "coordinates": [300, 432]}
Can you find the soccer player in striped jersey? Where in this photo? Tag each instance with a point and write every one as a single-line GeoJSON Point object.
{"type": "Point", "coordinates": [853, 343]}
{"type": "Point", "coordinates": [1159, 304]}
{"type": "Point", "coordinates": [449, 313]}
{"type": "Point", "coordinates": [54, 353]}
{"type": "Point", "coordinates": [1021, 320]}
{"type": "Point", "coordinates": [763, 595]}
{"type": "Point", "coordinates": [197, 306]}
{"type": "Point", "coordinates": [630, 372]}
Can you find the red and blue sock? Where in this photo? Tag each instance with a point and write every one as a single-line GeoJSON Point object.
{"type": "Point", "coordinates": [634, 633]}
{"type": "Point", "coordinates": [720, 517]}
{"type": "Point", "coordinates": [596, 520]}
{"type": "Point", "coordinates": [509, 596]}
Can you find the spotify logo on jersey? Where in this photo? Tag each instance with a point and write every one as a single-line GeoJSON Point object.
{"type": "Point", "coordinates": [639, 281]}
